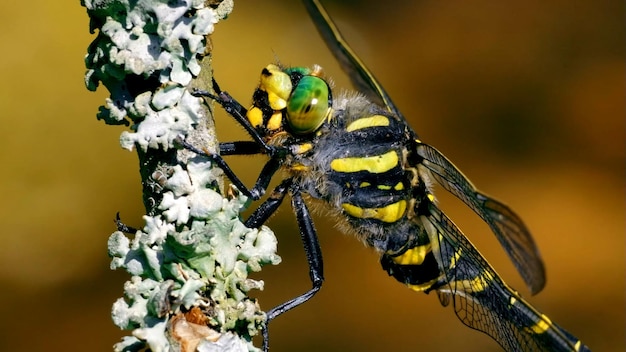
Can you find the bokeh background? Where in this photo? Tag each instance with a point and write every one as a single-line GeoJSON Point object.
{"type": "Point", "coordinates": [527, 98]}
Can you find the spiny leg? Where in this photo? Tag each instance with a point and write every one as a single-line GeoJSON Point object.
{"type": "Point", "coordinates": [305, 223]}
{"type": "Point", "coordinates": [240, 148]}
{"type": "Point", "coordinates": [238, 112]}
{"type": "Point", "coordinates": [270, 205]}
{"type": "Point", "coordinates": [258, 146]}
{"type": "Point", "coordinates": [255, 193]}
{"type": "Point", "coordinates": [122, 226]}
{"type": "Point", "coordinates": [313, 252]}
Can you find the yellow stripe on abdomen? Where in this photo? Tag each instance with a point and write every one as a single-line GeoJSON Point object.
{"type": "Point", "coordinates": [390, 213]}
{"type": "Point", "coordinates": [375, 164]}
{"type": "Point", "coordinates": [542, 325]}
{"type": "Point", "coordinates": [372, 121]}
{"type": "Point", "coordinates": [424, 286]}
{"type": "Point", "coordinates": [413, 256]}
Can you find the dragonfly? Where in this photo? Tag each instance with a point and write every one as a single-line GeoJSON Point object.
{"type": "Point", "coordinates": [356, 154]}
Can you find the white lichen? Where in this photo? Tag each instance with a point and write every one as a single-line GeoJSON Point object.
{"type": "Point", "coordinates": [190, 262]}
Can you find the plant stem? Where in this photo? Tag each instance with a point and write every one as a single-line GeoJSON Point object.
{"type": "Point", "coordinates": [190, 262]}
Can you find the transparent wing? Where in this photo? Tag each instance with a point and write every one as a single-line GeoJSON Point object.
{"type": "Point", "coordinates": [480, 298]}
{"type": "Point", "coordinates": [363, 80]}
{"type": "Point", "coordinates": [507, 226]}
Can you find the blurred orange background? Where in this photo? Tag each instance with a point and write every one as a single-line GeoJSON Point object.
{"type": "Point", "coordinates": [527, 98]}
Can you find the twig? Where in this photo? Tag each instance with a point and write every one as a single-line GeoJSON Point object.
{"type": "Point", "coordinates": [190, 261]}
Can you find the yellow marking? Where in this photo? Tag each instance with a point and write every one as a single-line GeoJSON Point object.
{"type": "Point", "coordinates": [390, 213]}
{"type": "Point", "coordinates": [275, 122]}
{"type": "Point", "coordinates": [278, 86]}
{"type": "Point", "coordinates": [374, 164]}
{"type": "Point", "coordinates": [512, 301]}
{"type": "Point", "coordinates": [302, 148]}
{"type": "Point", "coordinates": [577, 345]}
{"type": "Point", "coordinates": [413, 256]}
{"type": "Point", "coordinates": [398, 187]}
{"type": "Point", "coordinates": [255, 116]}
{"type": "Point", "coordinates": [477, 284]}
{"type": "Point", "coordinates": [422, 287]}
{"type": "Point", "coordinates": [329, 116]}
{"type": "Point", "coordinates": [299, 167]}
{"type": "Point", "coordinates": [542, 325]}
{"type": "Point", "coordinates": [372, 121]}
{"type": "Point", "coordinates": [430, 197]}
{"type": "Point", "coordinates": [276, 102]}
{"type": "Point", "coordinates": [455, 258]}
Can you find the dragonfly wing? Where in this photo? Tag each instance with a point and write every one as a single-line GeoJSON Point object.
{"type": "Point", "coordinates": [361, 77]}
{"type": "Point", "coordinates": [480, 298]}
{"type": "Point", "coordinates": [507, 226]}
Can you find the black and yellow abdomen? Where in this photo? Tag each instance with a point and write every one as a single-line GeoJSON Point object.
{"type": "Point", "coordinates": [369, 168]}
{"type": "Point", "coordinates": [361, 171]}
{"type": "Point", "coordinates": [362, 167]}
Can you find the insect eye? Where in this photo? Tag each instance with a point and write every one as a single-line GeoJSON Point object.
{"type": "Point", "coordinates": [308, 105]}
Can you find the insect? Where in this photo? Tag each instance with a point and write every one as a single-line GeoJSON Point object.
{"type": "Point", "coordinates": [356, 154]}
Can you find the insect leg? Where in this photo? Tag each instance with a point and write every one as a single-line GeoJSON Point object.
{"type": "Point", "coordinates": [260, 186]}
{"type": "Point", "coordinates": [238, 112]}
{"type": "Point", "coordinates": [313, 255]}
{"type": "Point", "coordinates": [122, 226]}
{"type": "Point", "coordinates": [269, 207]}
{"type": "Point", "coordinates": [240, 148]}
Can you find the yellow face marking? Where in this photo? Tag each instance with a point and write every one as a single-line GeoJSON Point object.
{"type": "Point", "coordinates": [399, 186]}
{"type": "Point", "coordinates": [390, 213]}
{"type": "Point", "coordinates": [275, 122]}
{"type": "Point", "coordinates": [374, 164]}
{"type": "Point", "coordinates": [365, 184]}
{"type": "Point", "coordinates": [278, 86]}
{"type": "Point", "coordinates": [276, 102]}
{"type": "Point", "coordinates": [255, 116]}
{"type": "Point", "coordinates": [383, 187]}
{"type": "Point", "coordinates": [542, 325]}
{"type": "Point", "coordinates": [413, 256]}
{"type": "Point", "coordinates": [431, 197]}
{"type": "Point", "coordinates": [512, 300]}
{"type": "Point", "coordinates": [372, 121]}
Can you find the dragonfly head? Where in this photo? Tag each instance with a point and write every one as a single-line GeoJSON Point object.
{"type": "Point", "coordinates": [297, 100]}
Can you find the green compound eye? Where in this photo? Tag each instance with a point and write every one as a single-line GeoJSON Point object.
{"type": "Point", "coordinates": [308, 105]}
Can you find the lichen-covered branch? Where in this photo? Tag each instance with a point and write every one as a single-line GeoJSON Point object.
{"type": "Point", "coordinates": [190, 262]}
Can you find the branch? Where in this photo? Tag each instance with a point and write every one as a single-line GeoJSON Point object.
{"type": "Point", "coordinates": [191, 260]}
